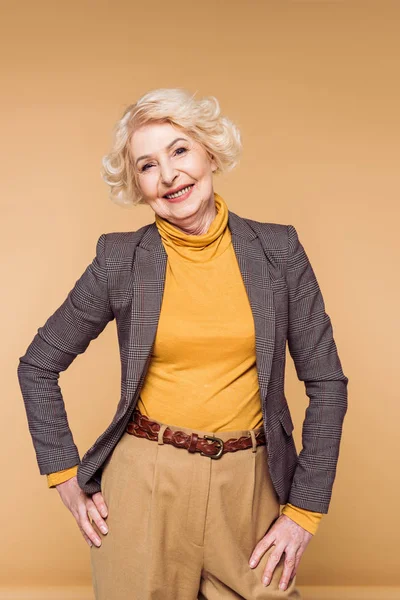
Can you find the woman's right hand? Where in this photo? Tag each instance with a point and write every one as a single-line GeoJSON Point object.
{"type": "Point", "coordinates": [82, 506]}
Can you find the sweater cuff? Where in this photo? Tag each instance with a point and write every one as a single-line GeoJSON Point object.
{"type": "Point", "coordinates": [57, 477]}
{"type": "Point", "coordinates": [307, 519]}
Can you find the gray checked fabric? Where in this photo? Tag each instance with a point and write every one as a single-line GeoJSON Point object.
{"type": "Point", "coordinates": [125, 282]}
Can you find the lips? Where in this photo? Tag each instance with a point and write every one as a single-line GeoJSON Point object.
{"type": "Point", "coordinates": [178, 189]}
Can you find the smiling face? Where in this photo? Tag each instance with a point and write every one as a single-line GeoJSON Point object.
{"type": "Point", "coordinates": [167, 160]}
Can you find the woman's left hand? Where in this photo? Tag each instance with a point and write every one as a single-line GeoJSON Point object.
{"type": "Point", "coordinates": [288, 537]}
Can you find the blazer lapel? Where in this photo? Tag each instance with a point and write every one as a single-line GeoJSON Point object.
{"type": "Point", "coordinates": [253, 266]}
{"type": "Point", "coordinates": [147, 287]}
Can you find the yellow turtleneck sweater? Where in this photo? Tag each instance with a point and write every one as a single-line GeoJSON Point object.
{"type": "Point", "coordinates": [202, 373]}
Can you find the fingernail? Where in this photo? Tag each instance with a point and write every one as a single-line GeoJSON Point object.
{"type": "Point", "coordinates": [104, 529]}
{"type": "Point", "coordinates": [266, 581]}
{"type": "Point", "coordinates": [282, 586]}
{"type": "Point", "coordinates": [253, 563]}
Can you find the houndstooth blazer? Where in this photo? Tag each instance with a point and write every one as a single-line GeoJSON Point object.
{"type": "Point", "coordinates": [125, 282]}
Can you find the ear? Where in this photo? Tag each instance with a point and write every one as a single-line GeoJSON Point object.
{"type": "Point", "coordinates": [214, 165]}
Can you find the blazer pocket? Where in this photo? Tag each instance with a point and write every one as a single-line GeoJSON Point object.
{"type": "Point", "coordinates": [286, 420]}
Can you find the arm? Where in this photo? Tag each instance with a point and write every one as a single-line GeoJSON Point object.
{"type": "Point", "coordinates": [81, 318]}
{"type": "Point", "coordinates": [313, 349]}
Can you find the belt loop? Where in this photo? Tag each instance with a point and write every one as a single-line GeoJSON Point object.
{"type": "Point", "coordinates": [253, 440]}
{"type": "Point", "coordinates": [161, 433]}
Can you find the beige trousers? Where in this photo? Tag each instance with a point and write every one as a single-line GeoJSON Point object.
{"type": "Point", "coordinates": [182, 526]}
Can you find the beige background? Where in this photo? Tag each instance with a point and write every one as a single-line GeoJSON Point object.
{"type": "Point", "coordinates": [314, 88]}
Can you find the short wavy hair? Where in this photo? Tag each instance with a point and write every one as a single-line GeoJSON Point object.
{"type": "Point", "coordinates": [201, 119]}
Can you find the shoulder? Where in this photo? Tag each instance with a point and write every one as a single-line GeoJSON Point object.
{"type": "Point", "coordinates": [120, 244]}
{"type": "Point", "coordinates": [280, 241]}
{"type": "Point", "coordinates": [266, 228]}
{"type": "Point", "coordinates": [272, 235]}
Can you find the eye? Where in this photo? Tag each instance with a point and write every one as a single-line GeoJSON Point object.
{"type": "Point", "coordinates": [181, 148]}
{"type": "Point", "coordinates": [146, 167]}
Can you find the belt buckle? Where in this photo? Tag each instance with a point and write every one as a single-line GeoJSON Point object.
{"type": "Point", "coordinates": [220, 449]}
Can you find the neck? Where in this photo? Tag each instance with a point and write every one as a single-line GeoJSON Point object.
{"type": "Point", "coordinates": [202, 222]}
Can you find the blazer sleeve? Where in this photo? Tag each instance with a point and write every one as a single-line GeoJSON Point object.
{"type": "Point", "coordinates": [314, 353]}
{"type": "Point", "coordinates": [67, 332]}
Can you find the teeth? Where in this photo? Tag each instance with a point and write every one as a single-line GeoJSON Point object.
{"type": "Point", "coordinates": [180, 193]}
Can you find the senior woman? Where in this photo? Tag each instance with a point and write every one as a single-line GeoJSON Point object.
{"type": "Point", "coordinates": [180, 497]}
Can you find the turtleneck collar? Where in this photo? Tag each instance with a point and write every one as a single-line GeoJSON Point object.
{"type": "Point", "coordinates": [197, 248]}
{"type": "Point", "coordinates": [179, 238]}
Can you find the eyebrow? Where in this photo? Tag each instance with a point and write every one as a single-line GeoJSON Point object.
{"type": "Point", "coordinates": [166, 147]}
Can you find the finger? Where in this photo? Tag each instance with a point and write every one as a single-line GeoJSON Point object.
{"type": "Point", "coordinates": [292, 577]}
{"type": "Point", "coordinates": [288, 567]}
{"type": "Point", "coordinates": [298, 558]}
{"type": "Point", "coordinates": [93, 513]}
{"type": "Point", "coordinates": [99, 501]}
{"type": "Point", "coordinates": [85, 537]}
{"type": "Point", "coordinates": [87, 528]}
{"type": "Point", "coordinates": [273, 560]}
{"type": "Point", "coordinates": [259, 551]}
{"type": "Point", "coordinates": [297, 562]}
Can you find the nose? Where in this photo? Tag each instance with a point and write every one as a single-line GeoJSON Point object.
{"type": "Point", "coordinates": [167, 173]}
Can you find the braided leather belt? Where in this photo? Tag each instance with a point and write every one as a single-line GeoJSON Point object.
{"type": "Point", "coordinates": [212, 446]}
